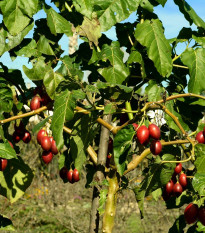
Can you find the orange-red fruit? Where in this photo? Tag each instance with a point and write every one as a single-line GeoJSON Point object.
{"type": "Point", "coordinates": [201, 215]}
{"type": "Point", "coordinates": [26, 137]}
{"type": "Point", "coordinates": [154, 131]}
{"type": "Point", "coordinates": [178, 168]}
{"type": "Point", "coordinates": [46, 143]}
{"type": "Point", "coordinates": [35, 103]}
{"type": "Point", "coordinates": [183, 180]}
{"type": "Point", "coordinates": [76, 177]}
{"type": "Point", "coordinates": [16, 137]}
{"type": "Point", "coordinates": [63, 173]}
{"type": "Point", "coordinates": [47, 156]}
{"type": "Point", "coordinates": [40, 135]}
{"type": "Point", "coordinates": [155, 147]}
{"type": "Point", "coordinates": [200, 137]}
{"type": "Point", "coordinates": [3, 164]}
{"type": "Point", "coordinates": [169, 187]}
{"type": "Point", "coordinates": [54, 148]}
{"type": "Point", "coordinates": [70, 176]}
{"type": "Point", "coordinates": [135, 125]}
{"type": "Point", "coordinates": [177, 189]}
{"type": "Point", "coordinates": [191, 213]}
{"type": "Point", "coordinates": [143, 134]}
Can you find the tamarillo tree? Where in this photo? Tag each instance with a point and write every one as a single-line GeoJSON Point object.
{"type": "Point", "coordinates": [108, 111]}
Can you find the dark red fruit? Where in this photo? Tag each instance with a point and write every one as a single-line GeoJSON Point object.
{"type": "Point", "coordinates": [191, 213]}
{"type": "Point", "coordinates": [26, 137]}
{"type": "Point", "coordinates": [183, 180]}
{"type": "Point", "coordinates": [47, 156]}
{"type": "Point", "coordinates": [3, 164]}
{"type": "Point", "coordinates": [11, 144]}
{"type": "Point", "coordinates": [45, 99]}
{"type": "Point", "coordinates": [51, 139]}
{"type": "Point", "coordinates": [135, 125]}
{"type": "Point", "coordinates": [35, 103]}
{"type": "Point", "coordinates": [155, 147]}
{"type": "Point", "coordinates": [38, 91]}
{"type": "Point", "coordinates": [46, 143]}
{"type": "Point", "coordinates": [70, 176]}
{"type": "Point", "coordinates": [20, 128]}
{"type": "Point", "coordinates": [54, 148]}
{"type": "Point", "coordinates": [204, 131]}
{"type": "Point", "coordinates": [201, 215]}
{"type": "Point", "coordinates": [154, 131]}
{"type": "Point", "coordinates": [178, 168]}
{"type": "Point", "coordinates": [63, 173]}
{"type": "Point", "coordinates": [110, 145]}
{"type": "Point", "coordinates": [76, 177]}
{"type": "Point", "coordinates": [40, 135]}
{"type": "Point", "coordinates": [200, 137]}
{"type": "Point", "coordinates": [169, 187]}
{"type": "Point", "coordinates": [16, 137]}
{"type": "Point", "coordinates": [177, 189]}
{"type": "Point", "coordinates": [143, 134]}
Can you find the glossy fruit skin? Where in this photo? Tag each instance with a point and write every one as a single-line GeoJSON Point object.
{"type": "Point", "coordinates": [155, 147]}
{"type": "Point", "coordinates": [47, 156]}
{"type": "Point", "coordinates": [35, 103]}
{"type": "Point", "coordinates": [143, 135]}
{"type": "Point", "coordinates": [76, 177]}
{"type": "Point", "coordinates": [183, 180]}
{"type": "Point", "coordinates": [178, 168]}
{"type": "Point", "coordinates": [135, 125]}
{"type": "Point", "coordinates": [54, 148]}
{"type": "Point", "coordinates": [16, 137]}
{"type": "Point", "coordinates": [169, 187]}
{"type": "Point", "coordinates": [3, 164]}
{"type": "Point", "coordinates": [177, 189]}
{"type": "Point", "coordinates": [201, 215]}
{"type": "Point", "coordinates": [40, 135]}
{"type": "Point", "coordinates": [200, 137]}
{"type": "Point", "coordinates": [26, 137]}
{"type": "Point", "coordinates": [70, 176]}
{"type": "Point", "coordinates": [46, 143]}
{"type": "Point", "coordinates": [191, 213]}
{"type": "Point", "coordinates": [154, 131]}
{"type": "Point", "coordinates": [63, 173]}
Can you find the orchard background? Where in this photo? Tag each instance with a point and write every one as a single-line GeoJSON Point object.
{"type": "Point", "coordinates": [126, 115]}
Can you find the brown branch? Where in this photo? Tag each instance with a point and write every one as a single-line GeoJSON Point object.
{"type": "Point", "coordinates": [137, 160]}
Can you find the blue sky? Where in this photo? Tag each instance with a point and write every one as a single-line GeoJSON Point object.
{"type": "Point", "coordinates": [170, 15]}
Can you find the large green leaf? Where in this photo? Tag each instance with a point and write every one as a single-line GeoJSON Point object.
{"type": "Point", "coordinates": [195, 60]}
{"type": "Point", "coordinates": [151, 35]}
{"type": "Point", "coordinates": [121, 145]}
{"type": "Point", "coordinates": [51, 81]}
{"type": "Point", "coordinates": [6, 151]}
{"type": "Point", "coordinates": [17, 14]}
{"type": "Point", "coordinates": [154, 91]}
{"type": "Point", "coordinates": [63, 111]}
{"type": "Point", "coordinates": [117, 72]}
{"type": "Point", "coordinates": [82, 136]}
{"type": "Point", "coordinates": [6, 224]}
{"type": "Point", "coordinates": [28, 50]}
{"type": "Point", "coordinates": [162, 2]}
{"type": "Point", "coordinates": [200, 158]}
{"type": "Point", "coordinates": [38, 71]}
{"type": "Point", "coordinates": [13, 41]}
{"type": "Point", "coordinates": [198, 183]}
{"type": "Point", "coordinates": [199, 40]}
{"type": "Point", "coordinates": [57, 23]}
{"type": "Point", "coordinates": [157, 177]}
{"type": "Point", "coordinates": [15, 179]}
{"type": "Point", "coordinates": [189, 13]}
{"type": "Point", "coordinates": [111, 12]}
{"type": "Point", "coordinates": [84, 7]}
{"type": "Point", "coordinates": [44, 46]}
{"type": "Point", "coordinates": [6, 98]}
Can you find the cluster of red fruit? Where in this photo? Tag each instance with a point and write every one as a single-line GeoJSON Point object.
{"type": "Point", "coordinates": [20, 133]}
{"type": "Point", "coordinates": [71, 175]}
{"type": "Point", "coordinates": [40, 99]}
{"type": "Point", "coordinates": [48, 144]}
{"type": "Point", "coordinates": [174, 187]}
{"type": "Point", "coordinates": [192, 213]}
{"type": "Point", "coordinates": [200, 137]}
{"type": "Point", "coordinates": [144, 134]}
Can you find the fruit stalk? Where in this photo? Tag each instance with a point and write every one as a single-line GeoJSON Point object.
{"type": "Point", "coordinates": [111, 203]}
